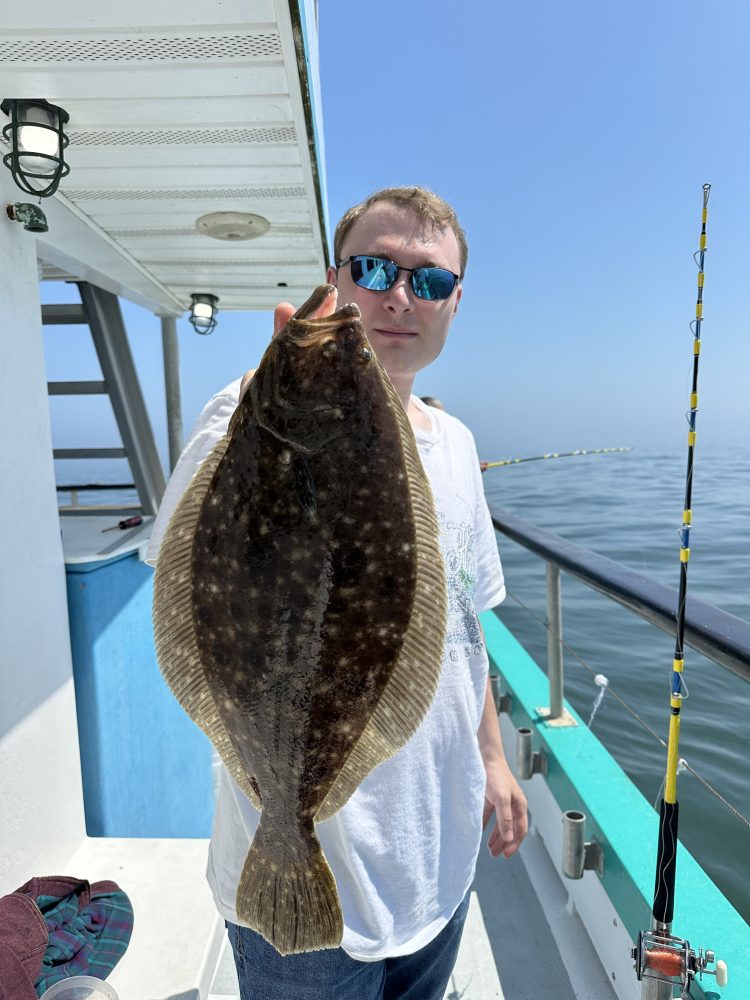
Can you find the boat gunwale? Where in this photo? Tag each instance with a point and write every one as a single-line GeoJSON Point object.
{"type": "Point", "coordinates": [722, 637]}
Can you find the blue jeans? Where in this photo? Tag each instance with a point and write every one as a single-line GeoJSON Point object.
{"type": "Point", "coordinates": [333, 975]}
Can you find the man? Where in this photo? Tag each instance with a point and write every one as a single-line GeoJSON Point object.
{"type": "Point", "coordinates": [403, 849]}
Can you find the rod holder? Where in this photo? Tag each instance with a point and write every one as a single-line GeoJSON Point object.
{"type": "Point", "coordinates": [579, 855]}
{"type": "Point", "coordinates": [503, 700]}
{"type": "Point", "coordinates": [528, 761]}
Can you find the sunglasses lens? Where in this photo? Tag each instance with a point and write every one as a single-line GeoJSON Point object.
{"type": "Point", "coordinates": [379, 274]}
{"type": "Point", "coordinates": [433, 283]}
{"type": "Point", "coordinates": [373, 273]}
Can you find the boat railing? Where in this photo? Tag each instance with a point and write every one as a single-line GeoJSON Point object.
{"type": "Point", "coordinates": [73, 506]}
{"type": "Point", "coordinates": [720, 636]}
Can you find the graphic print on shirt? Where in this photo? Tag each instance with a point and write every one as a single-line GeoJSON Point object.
{"type": "Point", "coordinates": [457, 545]}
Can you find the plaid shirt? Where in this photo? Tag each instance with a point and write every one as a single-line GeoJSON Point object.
{"type": "Point", "coordinates": [89, 927]}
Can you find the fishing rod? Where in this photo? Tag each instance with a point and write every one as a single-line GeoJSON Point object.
{"type": "Point", "coordinates": [663, 961]}
{"type": "Point", "coordinates": [551, 454]}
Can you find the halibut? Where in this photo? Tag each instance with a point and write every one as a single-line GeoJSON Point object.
{"type": "Point", "coordinates": [300, 605]}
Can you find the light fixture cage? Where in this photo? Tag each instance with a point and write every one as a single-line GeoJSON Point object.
{"type": "Point", "coordinates": [207, 323]}
{"type": "Point", "coordinates": [19, 109]}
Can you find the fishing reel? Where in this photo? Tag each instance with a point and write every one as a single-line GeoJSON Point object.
{"type": "Point", "coordinates": [663, 961]}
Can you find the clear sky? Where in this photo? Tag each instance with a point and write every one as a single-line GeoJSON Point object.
{"type": "Point", "coordinates": [573, 140]}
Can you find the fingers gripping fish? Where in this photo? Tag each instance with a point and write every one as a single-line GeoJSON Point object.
{"type": "Point", "coordinates": [300, 605]}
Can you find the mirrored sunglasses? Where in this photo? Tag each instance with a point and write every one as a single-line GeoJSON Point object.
{"type": "Point", "coordinates": [379, 274]}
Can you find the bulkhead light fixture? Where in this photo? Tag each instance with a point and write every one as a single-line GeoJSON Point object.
{"type": "Point", "coordinates": [35, 133]}
{"type": "Point", "coordinates": [203, 313]}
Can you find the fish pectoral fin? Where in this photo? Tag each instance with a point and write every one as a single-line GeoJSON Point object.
{"type": "Point", "coordinates": [304, 483]}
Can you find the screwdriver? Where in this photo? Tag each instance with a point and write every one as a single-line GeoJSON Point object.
{"type": "Point", "coordinates": [129, 522]}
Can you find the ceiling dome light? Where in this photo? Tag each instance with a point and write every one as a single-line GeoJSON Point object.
{"type": "Point", "coordinates": [37, 141]}
{"type": "Point", "coordinates": [232, 225]}
{"type": "Point", "coordinates": [203, 312]}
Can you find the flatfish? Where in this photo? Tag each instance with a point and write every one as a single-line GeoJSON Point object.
{"type": "Point", "coordinates": [300, 605]}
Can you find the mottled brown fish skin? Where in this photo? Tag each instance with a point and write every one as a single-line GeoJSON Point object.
{"type": "Point", "coordinates": [304, 573]}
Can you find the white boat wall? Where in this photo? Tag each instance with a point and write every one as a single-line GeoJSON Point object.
{"type": "Point", "coordinates": [184, 111]}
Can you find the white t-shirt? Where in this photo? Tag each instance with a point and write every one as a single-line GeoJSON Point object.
{"type": "Point", "coordinates": [403, 849]}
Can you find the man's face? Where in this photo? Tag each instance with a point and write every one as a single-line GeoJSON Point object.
{"type": "Point", "coordinates": [406, 332]}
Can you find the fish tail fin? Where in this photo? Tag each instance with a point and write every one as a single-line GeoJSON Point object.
{"type": "Point", "coordinates": [287, 891]}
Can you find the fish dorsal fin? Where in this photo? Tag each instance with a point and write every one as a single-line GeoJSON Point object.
{"type": "Point", "coordinates": [411, 687]}
{"type": "Point", "coordinates": [174, 626]}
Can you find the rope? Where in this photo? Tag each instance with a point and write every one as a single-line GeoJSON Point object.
{"type": "Point", "coordinates": [628, 708]}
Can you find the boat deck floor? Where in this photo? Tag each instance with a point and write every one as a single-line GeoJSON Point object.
{"type": "Point", "coordinates": [518, 934]}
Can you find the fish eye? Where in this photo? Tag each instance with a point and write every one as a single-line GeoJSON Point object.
{"type": "Point", "coordinates": [365, 355]}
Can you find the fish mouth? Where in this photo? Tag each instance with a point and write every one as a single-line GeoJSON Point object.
{"type": "Point", "coordinates": [345, 322]}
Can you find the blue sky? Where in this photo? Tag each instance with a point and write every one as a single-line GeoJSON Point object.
{"type": "Point", "coordinates": [573, 140]}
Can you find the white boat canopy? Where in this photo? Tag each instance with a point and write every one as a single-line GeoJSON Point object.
{"type": "Point", "coordinates": [177, 111]}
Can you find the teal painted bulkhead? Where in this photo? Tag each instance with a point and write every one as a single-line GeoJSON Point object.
{"type": "Point", "coordinates": [583, 775]}
{"type": "Point", "coordinates": [146, 766]}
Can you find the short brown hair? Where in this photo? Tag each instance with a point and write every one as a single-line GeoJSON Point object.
{"type": "Point", "coordinates": [428, 207]}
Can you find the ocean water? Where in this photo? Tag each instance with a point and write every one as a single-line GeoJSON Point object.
{"type": "Point", "coordinates": [629, 507]}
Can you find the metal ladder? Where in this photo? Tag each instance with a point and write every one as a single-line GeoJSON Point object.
{"type": "Point", "coordinates": [100, 311]}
